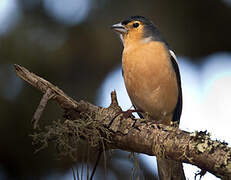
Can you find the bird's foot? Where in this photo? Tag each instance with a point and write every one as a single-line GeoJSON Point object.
{"type": "Point", "coordinates": [175, 124]}
{"type": "Point", "coordinates": [200, 173]}
{"type": "Point", "coordinates": [156, 124]}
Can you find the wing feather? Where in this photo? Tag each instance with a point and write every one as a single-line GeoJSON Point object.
{"type": "Point", "coordinates": [178, 108]}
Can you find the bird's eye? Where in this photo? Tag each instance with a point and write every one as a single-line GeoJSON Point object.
{"type": "Point", "coordinates": [135, 25]}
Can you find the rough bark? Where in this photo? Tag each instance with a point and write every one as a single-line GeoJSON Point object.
{"type": "Point", "coordinates": [139, 135]}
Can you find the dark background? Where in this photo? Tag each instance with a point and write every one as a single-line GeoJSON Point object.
{"type": "Point", "coordinates": [74, 48]}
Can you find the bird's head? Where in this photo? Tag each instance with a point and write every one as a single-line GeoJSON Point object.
{"type": "Point", "coordinates": [137, 28]}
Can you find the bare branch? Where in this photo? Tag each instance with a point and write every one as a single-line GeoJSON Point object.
{"type": "Point", "coordinates": [43, 85]}
{"type": "Point", "coordinates": [138, 135]}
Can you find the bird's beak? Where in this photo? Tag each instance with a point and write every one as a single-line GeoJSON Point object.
{"type": "Point", "coordinates": [119, 28]}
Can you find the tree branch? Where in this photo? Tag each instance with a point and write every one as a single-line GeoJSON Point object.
{"type": "Point", "coordinates": [138, 135]}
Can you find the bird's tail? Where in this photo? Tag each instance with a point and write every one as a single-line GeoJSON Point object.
{"type": "Point", "coordinates": [170, 170]}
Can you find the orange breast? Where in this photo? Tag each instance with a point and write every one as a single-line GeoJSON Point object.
{"type": "Point", "coordinates": [150, 79]}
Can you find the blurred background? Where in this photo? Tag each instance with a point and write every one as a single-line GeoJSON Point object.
{"type": "Point", "coordinates": [69, 43]}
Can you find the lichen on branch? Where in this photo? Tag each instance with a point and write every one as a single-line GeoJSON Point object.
{"type": "Point", "coordinates": [97, 125]}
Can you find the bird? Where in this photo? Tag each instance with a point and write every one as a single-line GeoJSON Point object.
{"type": "Point", "coordinates": [152, 80]}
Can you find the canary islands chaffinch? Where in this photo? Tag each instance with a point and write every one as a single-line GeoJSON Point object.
{"type": "Point", "coordinates": [152, 79]}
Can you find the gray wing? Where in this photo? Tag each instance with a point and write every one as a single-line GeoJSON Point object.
{"type": "Point", "coordinates": [178, 108]}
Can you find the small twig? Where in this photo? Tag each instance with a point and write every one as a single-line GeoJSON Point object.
{"type": "Point", "coordinates": [114, 101]}
{"type": "Point", "coordinates": [96, 164]}
{"type": "Point", "coordinates": [43, 85]}
{"type": "Point", "coordinates": [77, 172]}
{"type": "Point", "coordinates": [82, 167]}
{"type": "Point", "coordinates": [88, 167]}
{"type": "Point", "coordinates": [38, 113]}
{"type": "Point", "coordinates": [73, 172]}
{"type": "Point", "coordinates": [105, 161]}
